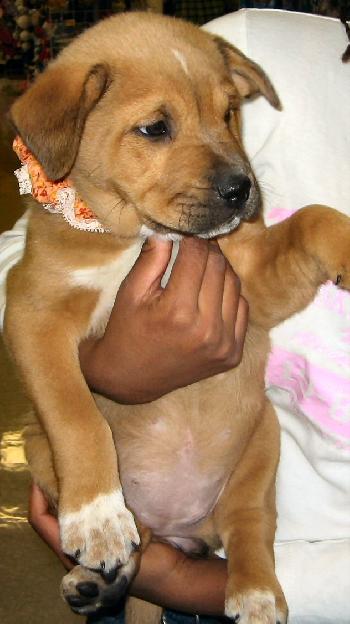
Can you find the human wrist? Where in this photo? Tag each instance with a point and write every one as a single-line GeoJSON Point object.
{"type": "Point", "coordinates": [158, 564]}
{"type": "Point", "coordinates": [104, 376]}
{"type": "Point", "coordinates": [88, 356]}
{"type": "Point", "coordinates": [95, 367]}
{"type": "Point", "coordinates": [173, 580]}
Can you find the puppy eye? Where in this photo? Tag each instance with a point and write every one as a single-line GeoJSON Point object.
{"type": "Point", "coordinates": [155, 130]}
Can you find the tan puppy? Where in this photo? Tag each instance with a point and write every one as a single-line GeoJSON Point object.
{"type": "Point", "coordinates": [149, 134]}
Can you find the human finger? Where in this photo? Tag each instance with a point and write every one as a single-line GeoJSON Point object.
{"type": "Point", "coordinates": [240, 329]}
{"type": "Point", "coordinates": [235, 314]}
{"type": "Point", "coordinates": [145, 276]}
{"type": "Point", "coordinates": [37, 500]}
{"type": "Point", "coordinates": [231, 296]}
{"type": "Point", "coordinates": [44, 523]}
{"type": "Point", "coordinates": [212, 288]}
{"type": "Point", "coordinates": [41, 519]}
{"type": "Point", "coordinates": [187, 274]}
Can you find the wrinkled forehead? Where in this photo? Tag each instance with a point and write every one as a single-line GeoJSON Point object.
{"type": "Point", "coordinates": [182, 78]}
{"type": "Point", "coordinates": [148, 55]}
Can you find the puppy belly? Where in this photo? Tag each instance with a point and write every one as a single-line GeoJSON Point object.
{"type": "Point", "coordinates": [175, 458]}
{"type": "Point", "coordinates": [171, 505]}
{"type": "Point", "coordinates": [173, 497]}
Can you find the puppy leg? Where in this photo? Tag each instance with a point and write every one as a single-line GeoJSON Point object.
{"type": "Point", "coordinates": [281, 267]}
{"type": "Point", "coordinates": [245, 518]}
{"type": "Point", "coordinates": [96, 528]}
{"type": "Point", "coordinates": [40, 462]}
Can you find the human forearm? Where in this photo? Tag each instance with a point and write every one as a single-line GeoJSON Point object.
{"type": "Point", "coordinates": [174, 581]}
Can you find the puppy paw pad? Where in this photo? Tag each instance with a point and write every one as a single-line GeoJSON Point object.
{"type": "Point", "coordinates": [88, 589]}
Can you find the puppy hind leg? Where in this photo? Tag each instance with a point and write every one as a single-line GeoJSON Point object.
{"type": "Point", "coordinates": [40, 460]}
{"type": "Point", "coordinates": [245, 519]}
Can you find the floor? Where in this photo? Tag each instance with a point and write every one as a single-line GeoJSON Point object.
{"type": "Point", "coordinates": [29, 572]}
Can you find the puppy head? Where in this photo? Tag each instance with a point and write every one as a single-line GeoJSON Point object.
{"type": "Point", "coordinates": [142, 113]}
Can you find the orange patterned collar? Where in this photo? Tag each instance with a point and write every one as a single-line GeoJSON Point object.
{"type": "Point", "coordinates": [57, 197]}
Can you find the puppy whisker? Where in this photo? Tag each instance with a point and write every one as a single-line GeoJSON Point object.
{"type": "Point", "coordinates": [118, 205]}
{"type": "Point", "coordinates": [268, 192]}
{"type": "Point", "coordinates": [185, 217]}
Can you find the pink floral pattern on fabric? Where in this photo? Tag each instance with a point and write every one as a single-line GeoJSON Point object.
{"type": "Point", "coordinates": [320, 394]}
{"type": "Point", "coordinates": [310, 360]}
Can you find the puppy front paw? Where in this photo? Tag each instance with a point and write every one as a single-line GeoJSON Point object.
{"type": "Point", "coordinates": [101, 535]}
{"type": "Point", "coordinates": [326, 237]}
{"type": "Point", "coordinates": [87, 592]}
{"type": "Point", "coordinates": [255, 606]}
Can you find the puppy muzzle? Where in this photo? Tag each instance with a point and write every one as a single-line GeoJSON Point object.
{"type": "Point", "coordinates": [234, 197]}
{"type": "Point", "coordinates": [229, 198]}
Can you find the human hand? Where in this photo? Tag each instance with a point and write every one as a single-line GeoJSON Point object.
{"type": "Point", "coordinates": [159, 339]}
{"type": "Point", "coordinates": [45, 523]}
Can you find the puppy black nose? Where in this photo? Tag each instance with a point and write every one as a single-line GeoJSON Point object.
{"type": "Point", "coordinates": [235, 189]}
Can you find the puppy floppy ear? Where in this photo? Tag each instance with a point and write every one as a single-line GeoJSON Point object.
{"type": "Point", "coordinates": [248, 77]}
{"type": "Point", "coordinates": [50, 116]}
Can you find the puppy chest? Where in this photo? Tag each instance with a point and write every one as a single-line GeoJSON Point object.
{"type": "Point", "coordinates": [105, 279]}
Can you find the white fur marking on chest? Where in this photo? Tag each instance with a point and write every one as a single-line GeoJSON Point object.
{"type": "Point", "coordinates": [107, 279]}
